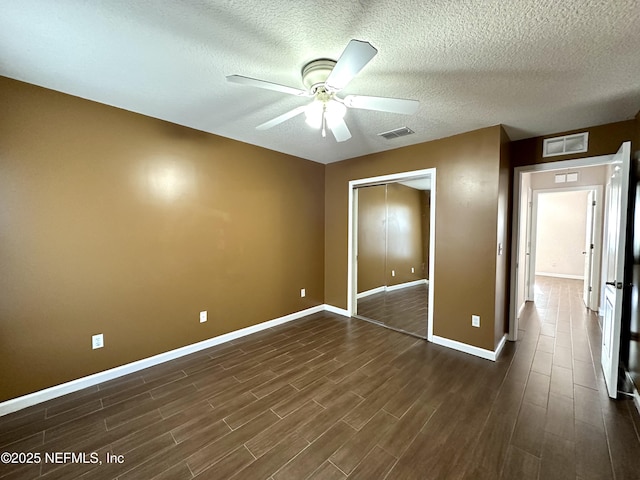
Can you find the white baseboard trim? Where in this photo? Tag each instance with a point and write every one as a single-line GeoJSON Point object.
{"type": "Point", "coordinates": [373, 291]}
{"type": "Point", "coordinates": [560, 275]}
{"type": "Point", "coordinates": [521, 309]}
{"type": "Point", "coordinates": [500, 346]}
{"type": "Point", "coordinates": [336, 310]}
{"type": "Point", "coordinates": [391, 288]}
{"type": "Point", "coordinates": [413, 283]}
{"type": "Point", "coordinates": [470, 349]}
{"type": "Point", "coordinates": [40, 396]}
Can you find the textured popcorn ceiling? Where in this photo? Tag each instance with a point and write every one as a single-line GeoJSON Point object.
{"type": "Point", "coordinates": [536, 66]}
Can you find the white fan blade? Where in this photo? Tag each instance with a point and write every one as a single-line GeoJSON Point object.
{"type": "Point", "coordinates": [282, 118]}
{"type": "Point", "coordinates": [340, 130]}
{"type": "Point", "coordinates": [381, 104]}
{"type": "Point", "coordinates": [253, 82]}
{"type": "Point", "coordinates": [353, 59]}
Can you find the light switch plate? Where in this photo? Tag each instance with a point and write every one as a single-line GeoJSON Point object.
{"type": "Point", "coordinates": [475, 320]}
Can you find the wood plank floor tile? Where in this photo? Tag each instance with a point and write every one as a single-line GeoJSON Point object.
{"type": "Point", "coordinates": [331, 414]}
{"type": "Point", "coordinates": [587, 406]}
{"type": "Point", "coordinates": [529, 431]}
{"type": "Point", "coordinates": [584, 375]}
{"type": "Point", "coordinates": [561, 381]}
{"type": "Point", "coordinates": [375, 465]}
{"type": "Point", "coordinates": [274, 459]}
{"type": "Point", "coordinates": [546, 344]}
{"type": "Point", "coordinates": [592, 453]}
{"type": "Point", "coordinates": [542, 362]}
{"type": "Point", "coordinates": [177, 472]}
{"type": "Point", "coordinates": [310, 459]}
{"type": "Point", "coordinates": [400, 435]}
{"type": "Point", "coordinates": [558, 458]}
{"type": "Point", "coordinates": [243, 415]}
{"type": "Point", "coordinates": [366, 409]}
{"type": "Point", "coordinates": [347, 457]}
{"type": "Point", "coordinates": [327, 471]}
{"type": "Point", "coordinates": [623, 445]}
{"type": "Point", "coordinates": [317, 388]}
{"type": "Point", "coordinates": [158, 462]}
{"type": "Point", "coordinates": [227, 465]}
{"type": "Point", "coordinates": [492, 446]}
{"type": "Point", "coordinates": [562, 357]}
{"type": "Point", "coordinates": [263, 441]}
{"type": "Point", "coordinates": [520, 465]}
{"type": "Point", "coordinates": [208, 455]}
{"type": "Point", "coordinates": [560, 417]}
{"type": "Point", "coordinates": [537, 391]}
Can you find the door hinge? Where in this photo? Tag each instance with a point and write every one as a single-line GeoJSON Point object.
{"type": "Point", "coordinates": [592, 246]}
{"type": "Point", "coordinates": [590, 289]}
{"type": "Point", "coordinates": [593, 203]}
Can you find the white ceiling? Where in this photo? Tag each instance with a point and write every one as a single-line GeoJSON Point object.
{"type": "Point", "coordinates": [536, 66]}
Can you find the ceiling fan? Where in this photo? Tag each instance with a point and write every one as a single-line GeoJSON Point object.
{"type": "Point", "coordinates": [323, 79]}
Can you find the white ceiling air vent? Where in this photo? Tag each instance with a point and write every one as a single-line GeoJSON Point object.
{"type": "Point", "coordinates": [398, 132]}
{"type": "Point", "coordinates": [575, 143]}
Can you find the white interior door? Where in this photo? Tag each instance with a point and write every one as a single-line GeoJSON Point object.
{"type": "Point", "coordinates": [616, 225]}
{"type": "Point", "coordinates": [589, 244]}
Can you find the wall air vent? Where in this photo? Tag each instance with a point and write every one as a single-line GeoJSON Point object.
{"type": "Point", "coordinates": [575, 143]}
{"type": "Point", "coordinates": [398, 132]}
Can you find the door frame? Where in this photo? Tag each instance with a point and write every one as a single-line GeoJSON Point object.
{"type": "Point", "coordinates": [352, 234]}
{"type": "Point", "coordinates": [517, 185]}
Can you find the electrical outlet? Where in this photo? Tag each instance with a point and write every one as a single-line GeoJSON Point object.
{"type": "Point", "coordinates": [475, 320]}
{"type": "Point", "coordinates": [97, 341]}
{"type": "Point", "coordinates": [203, 316]}
{"type": "Point", "coordinates": [303, 292]}
{"type": "Point", "coordinates": [393, 273]}
{"type": "Point", "coordinates": [413, 270]}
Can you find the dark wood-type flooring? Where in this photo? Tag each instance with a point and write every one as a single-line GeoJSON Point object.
{"type": "Point", "coordinates": [328, 397]}
{"type": "Point", "coordinates": [404, 309]}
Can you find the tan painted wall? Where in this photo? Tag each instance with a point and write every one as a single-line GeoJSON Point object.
{"type": "Point", "coordinates": [372, 237]}
{"type": "Point", "coordinates": [468, 185]}
{"type": "Point", "coordinates": [116, 223]}
{"type": "Point", "coordinates": [404, 222]}
{"type": "Point", "coordinates": [390, 235]}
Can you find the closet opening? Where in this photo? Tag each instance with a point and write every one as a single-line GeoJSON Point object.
{"type": "Point", "coordinates": [391, 251]}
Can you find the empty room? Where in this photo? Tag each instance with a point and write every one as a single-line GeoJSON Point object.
{"type": "Point", "coordinates": [311, 240]}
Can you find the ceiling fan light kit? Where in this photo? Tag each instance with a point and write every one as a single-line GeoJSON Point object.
{"type": "Point", "coordinates": [323, 79]}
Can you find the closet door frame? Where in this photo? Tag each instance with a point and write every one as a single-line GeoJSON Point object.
{"type": "Point", "coordinates": [352, 234]}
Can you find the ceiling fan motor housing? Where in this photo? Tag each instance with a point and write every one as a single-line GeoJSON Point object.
{"type": "Point", "coordinates": [315, 73]}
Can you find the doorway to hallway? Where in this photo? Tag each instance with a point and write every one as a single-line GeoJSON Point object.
{"type": "Point", "coordinates": [611, 290]}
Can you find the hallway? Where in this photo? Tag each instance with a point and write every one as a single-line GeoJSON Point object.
{"type": "Point", "coordinates": [566, 422]}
